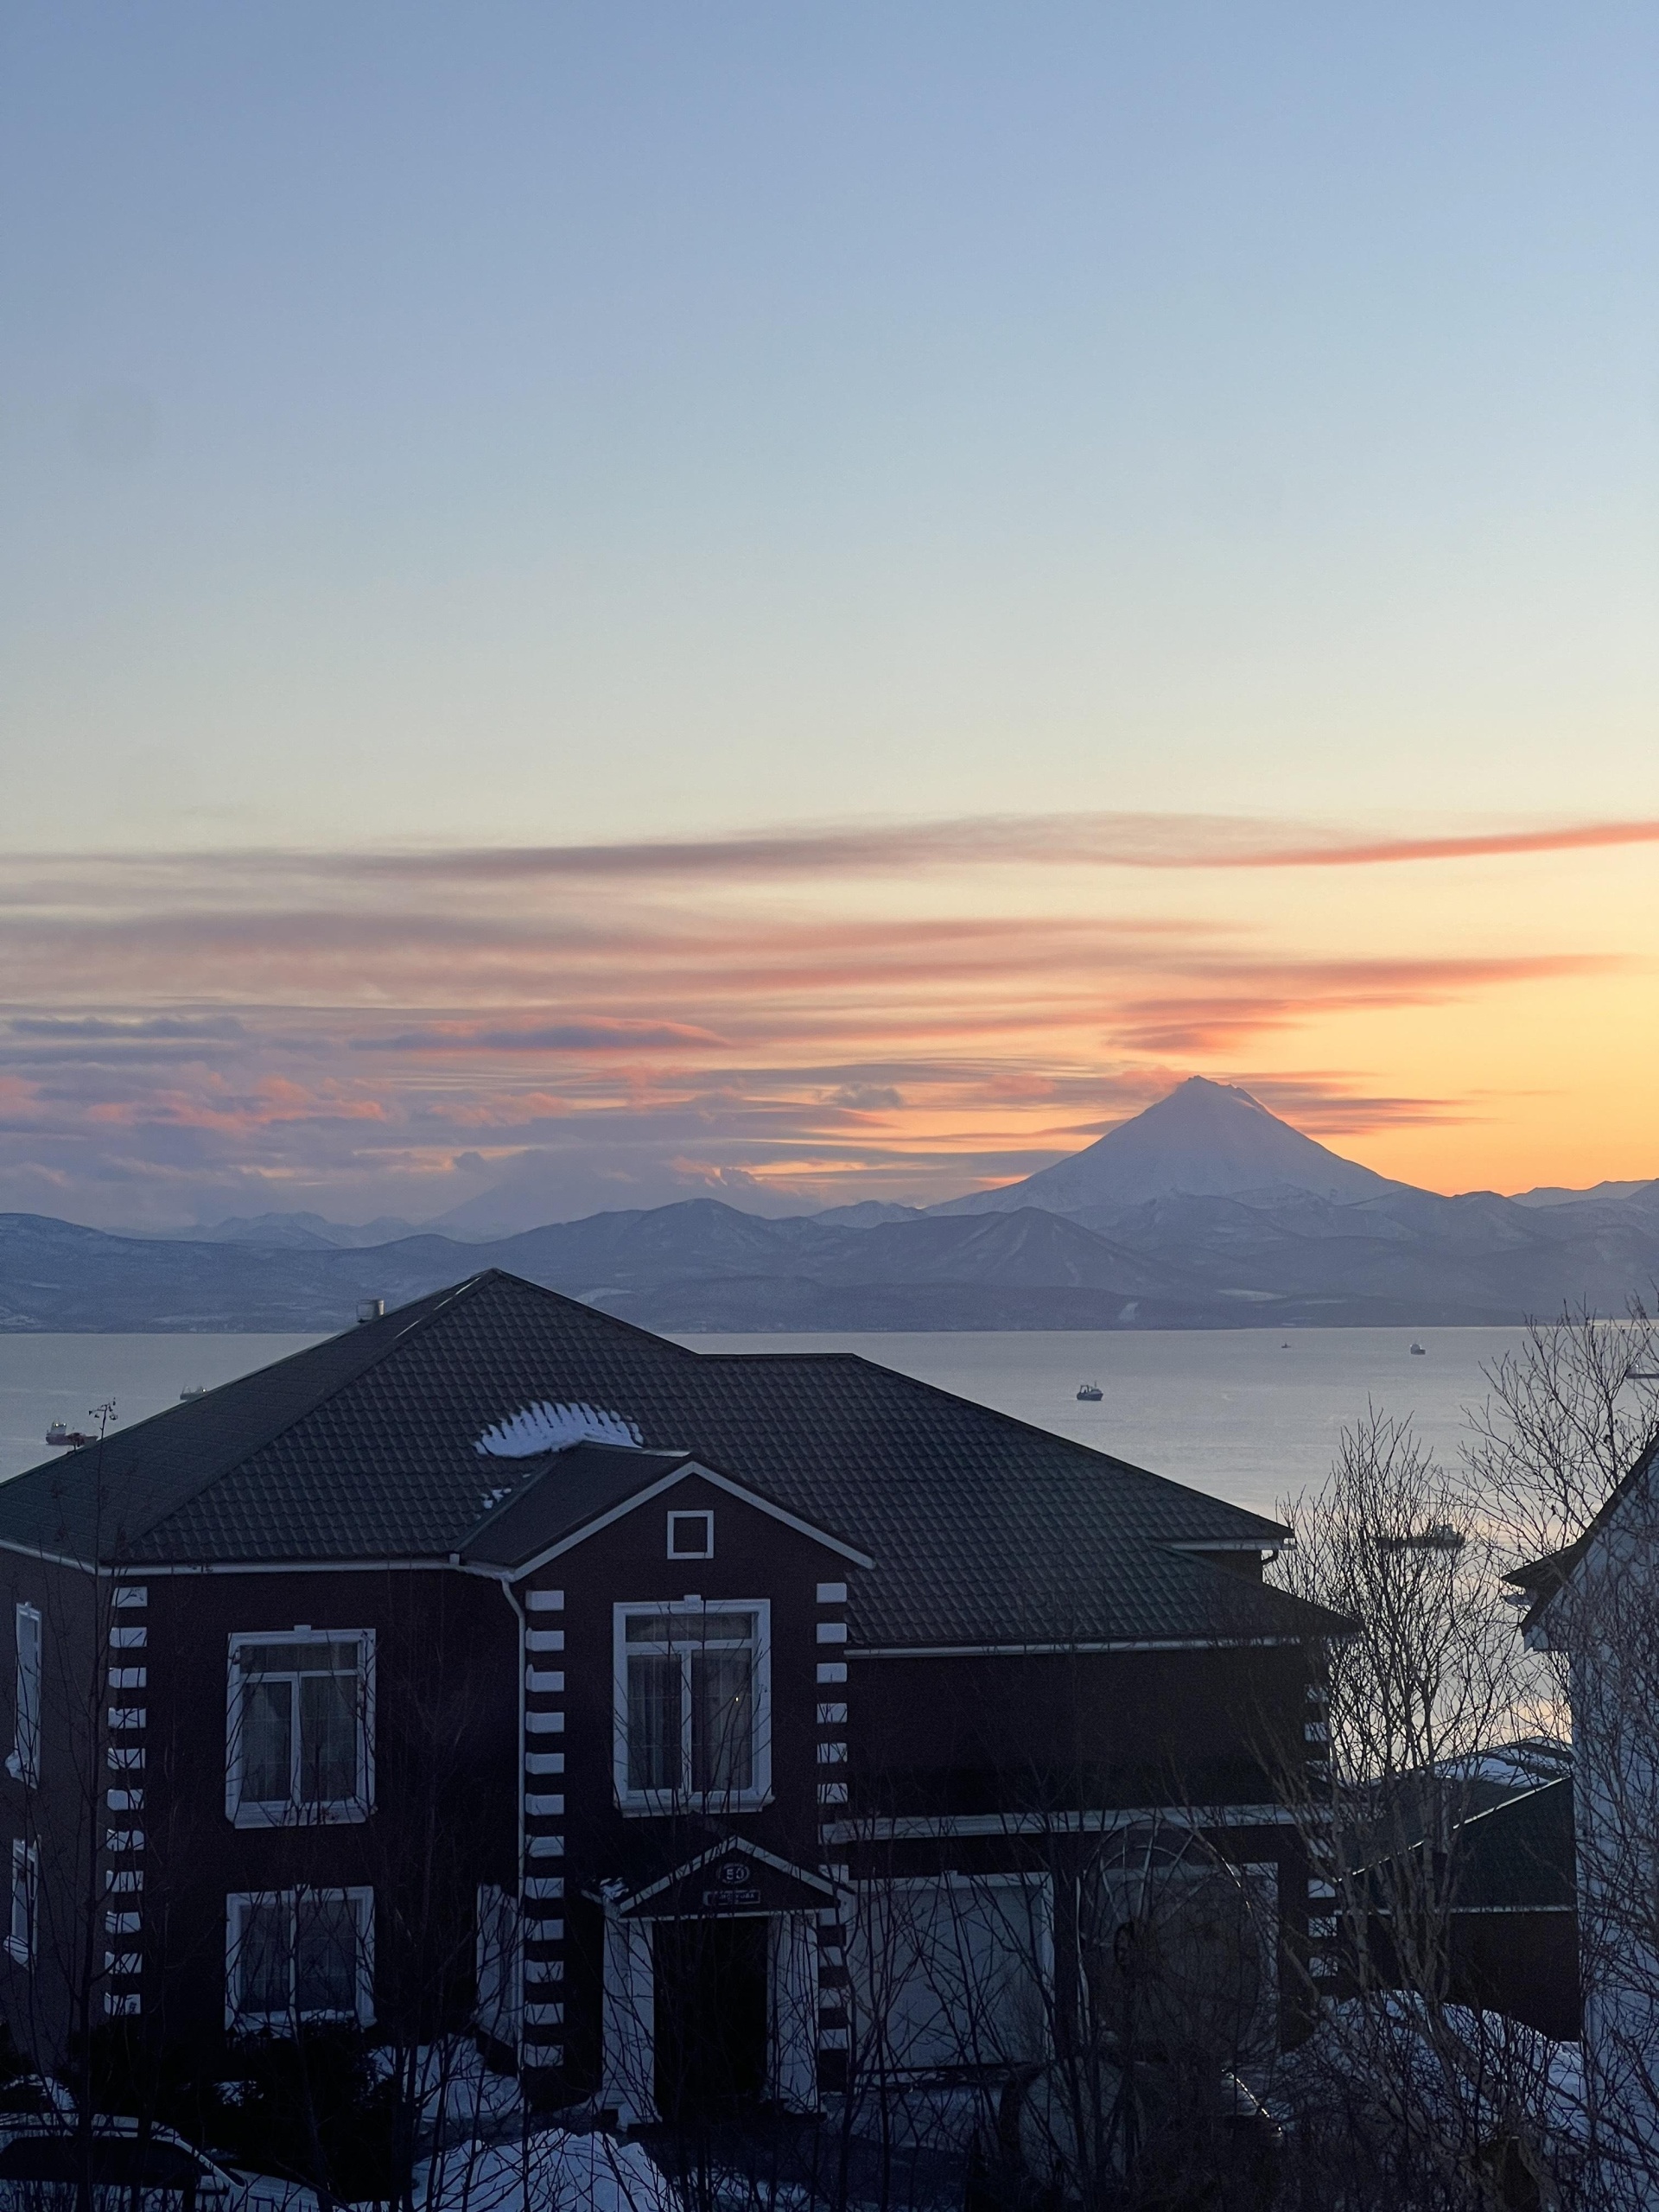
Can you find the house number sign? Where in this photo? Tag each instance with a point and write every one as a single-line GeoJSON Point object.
{"type": "Point", "coordinates": [735, 1876]}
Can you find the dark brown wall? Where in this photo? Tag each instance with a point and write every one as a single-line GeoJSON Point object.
{"type": "Point", "coordinates": [446, 1760]}
{"type": "Point", "coordinates": [755, 1557]}
{"type": "Point", "coordinates": [65, 1814]}
{"type": "Point", "coordinates": [1524, 1964]}
{"type": "Point", "coordinates": [926, 1735]}
{"type": "Point", "coordinates": [1114, 1728]}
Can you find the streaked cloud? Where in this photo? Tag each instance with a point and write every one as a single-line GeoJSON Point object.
{"type": "Point", "coordinates": [797, 1017]}
{"type": "Point", "coordinates": [595, 1035]}
{"type": "Point", "coordinates": [187, 1029]}
{"type": "Point", "coordinates": [1086, 840]}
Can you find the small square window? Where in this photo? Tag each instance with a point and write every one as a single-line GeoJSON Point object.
{"type": "Point", "coordinates": [691, 1536]}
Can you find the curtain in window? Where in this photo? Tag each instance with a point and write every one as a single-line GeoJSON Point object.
{"type": "Point", "coordinates": [263, 1956]}
{"type": "Point", "coordinates": [301, 1723]}
{"type": "Point", "coordinates": [267, 1742]}
{"type": "Point", "coordinates": [722, 1720]}
{"type": "Point", "coordinates": [653, 1721]}
{"type": "Point", "coordinates": [328, 1737]}
{"type": "Point", "coordinates": [325, 1955]}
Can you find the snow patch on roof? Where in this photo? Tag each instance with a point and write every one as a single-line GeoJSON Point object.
{"type": "Point", "coordinates": [549, 1427]}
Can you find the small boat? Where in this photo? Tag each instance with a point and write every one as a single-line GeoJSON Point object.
{"type": "Point", "coordinates": [195, 1391]}
{"type": "Point", "coordinates": [63, 1439]}
{"type": "Point", "coordinates": [1089, 1394]}
{"type": "Point", "coordinates": [1417, 1351]}
{"type": "Point", "coordinates": [1438, 1536]}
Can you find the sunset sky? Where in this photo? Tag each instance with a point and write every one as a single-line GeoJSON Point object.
{"type": "Point", "coordinates": [819, 603]}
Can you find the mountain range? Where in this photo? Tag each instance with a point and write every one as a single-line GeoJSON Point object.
{"type": "Point", "coordinates": [1204, 1211]}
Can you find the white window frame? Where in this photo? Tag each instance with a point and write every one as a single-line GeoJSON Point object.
{"type": "Point", "coordinates": [706, 1548]}
{"type": "Point", "coordinates": [1032, 1959]}
{"type": "Point", "coordinates": [293, 1812]}
{"type": "Point", "coordinates": [640, 1802]}
{"type": "Point", "coordinates": [24, 1763]}
{"type": "Point", "coordinates": [26, 1889]}
{"type": "Point", "coordinates": [241, 2021]}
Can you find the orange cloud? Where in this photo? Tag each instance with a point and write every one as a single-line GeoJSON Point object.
{"type": "Point", "coordinates": [208, 1007]}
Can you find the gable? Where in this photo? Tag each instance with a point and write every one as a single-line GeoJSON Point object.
{"type": "Point", "coordinates": [733, 1876]}
{"type": "Point", "coordinates": [1544, 1579]}
{"type": "Point", "coordinates": [541, 1524]}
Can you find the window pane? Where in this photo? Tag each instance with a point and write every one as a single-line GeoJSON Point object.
{"type": "Point", "coordinates": [20, 1912]}
{"type": "Point", "coordinates": [326, 1955]}
{"type": "Point", "coordinates": [648, 1628]}
{"type": "Point", "coordinates": [261, 1957]}
{"type": "Point", "coordinates": [653, 1723]}
{"type": "Point", "coordinates": [718, 1628]}
{"type": "Point", "coordinates": [328, 1739]}
{"type": "Point", "coordinates": [267, 1743]}
{"type": "Point", "coordinates": [306, 1658]}
{"type": "Point", "coordinates": [722, 1720]}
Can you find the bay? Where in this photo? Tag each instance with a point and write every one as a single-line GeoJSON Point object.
{"type": "Point", "coordinates": [1243, 1413]}
{"type": "Point", "coordinates": [46, 1378]}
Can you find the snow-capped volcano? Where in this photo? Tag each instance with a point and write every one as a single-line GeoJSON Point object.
{"type": "Point", "coordinates": [1209, 1139]}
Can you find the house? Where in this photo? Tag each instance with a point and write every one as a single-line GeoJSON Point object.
{"type": "Point", "coordinates": [665, 1715]}
{"type": "Point", "coordinates": [1503, 1892]}
{"type": "Point", "coordinates": [1595, 1606]}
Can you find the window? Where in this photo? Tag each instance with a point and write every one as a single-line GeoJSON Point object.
{"type": "Point", "coordinates": [301, 1737]}
{"type": "Point", "coordinates": [691, 1536]}
{"type": "Point", "coordinates": [693, 1704]}
{"type": "Point", "coordinates": [299, 1954]}
{"type": "Point", "coordinates": [25, 1901]}
{"type": "Point", "coordinates": [24, 1764]}
{"type": "Point", "coordinates": [953, 1972]}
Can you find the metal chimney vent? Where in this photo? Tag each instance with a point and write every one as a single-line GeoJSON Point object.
{"type": "Point", "coordinates": [370, 1309]}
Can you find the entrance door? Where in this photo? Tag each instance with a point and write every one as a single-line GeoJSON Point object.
{"type": "Point", "coordinates": [711, 2016]}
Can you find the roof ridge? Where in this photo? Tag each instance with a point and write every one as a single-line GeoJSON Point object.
{"type": "Point", "coordinates": [432, 1309]}
{"type": "Point", "coordinates": [517, 1492]}
{"type": "Point", "coordinates": [435, 1303]}
{"type": "Point", "coordinates": [1516, 1797]}
{"type": "Point", "coordinates": [583, 1305]}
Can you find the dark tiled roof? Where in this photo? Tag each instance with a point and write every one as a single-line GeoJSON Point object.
{"type": "Point", "coordinates": [1520, 1856]}
{"type": "Point", "coordinates": [552, 1495]}
{"type": "Point", "coordinates": [983, 1530]}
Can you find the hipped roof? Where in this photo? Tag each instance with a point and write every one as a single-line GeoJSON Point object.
{"type": "Point", "coordinates": [982, 1528]}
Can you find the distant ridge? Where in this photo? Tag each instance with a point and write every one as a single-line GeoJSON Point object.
{"type": "Point", "coordinates": [1553, 1194]}
{"type": "Point", "coordinates": [1204, 1139]}
{"type": "Point", "coordinates": [1204, 1211]}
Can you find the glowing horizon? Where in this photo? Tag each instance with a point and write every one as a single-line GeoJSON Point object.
{"type": "Point", "coordinates": [825, 1019]}
{"type": "Point", "coordinates": [798, 603]}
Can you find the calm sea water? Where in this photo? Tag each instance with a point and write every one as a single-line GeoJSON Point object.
{"type": "Point", "coordinates": [1245, 1413]}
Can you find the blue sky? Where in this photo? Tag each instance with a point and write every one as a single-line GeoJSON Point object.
{"type": "Point", "coordinates": [553, 424]}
